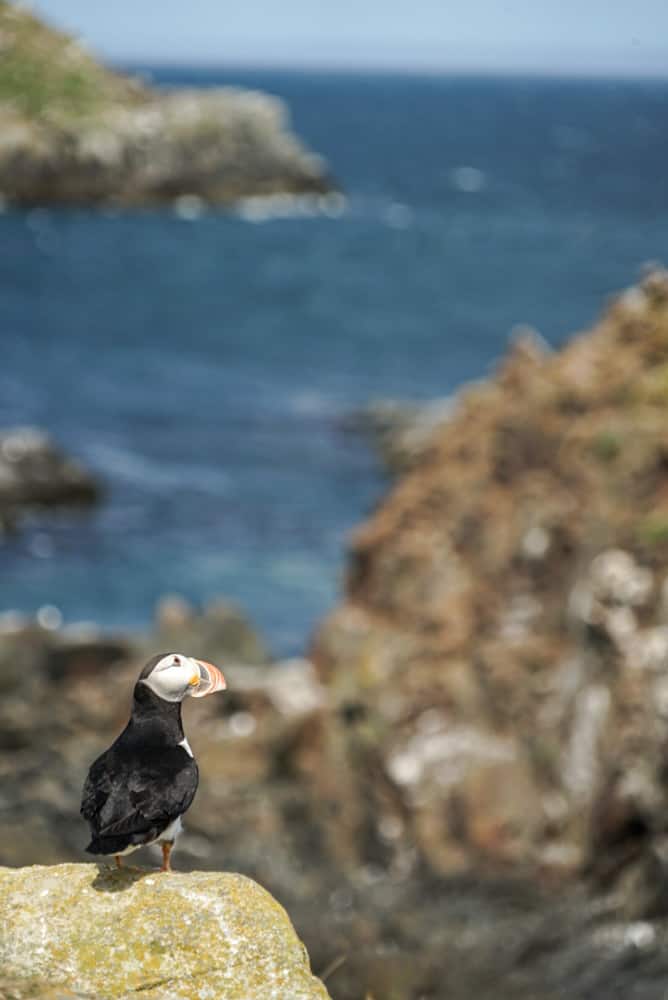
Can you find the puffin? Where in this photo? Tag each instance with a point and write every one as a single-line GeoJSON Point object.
{"type": "Point", "coordinates": [137, 791]}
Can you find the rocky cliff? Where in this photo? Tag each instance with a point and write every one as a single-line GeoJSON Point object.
{"type": "Point", "coordinates": [502, 650]}
{"type": "Point", "coordinates": [113, 934]}
{"type": "Point", "coordinates": [72, 131]}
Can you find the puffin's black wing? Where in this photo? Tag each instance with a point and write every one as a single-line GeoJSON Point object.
{"type": "Point", "coordinates": [129, 798]}
{"type": "Point", "coordinates": [95, 790]}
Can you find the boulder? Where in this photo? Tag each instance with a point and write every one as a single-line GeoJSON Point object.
{"type": "Point", "coordinates": [107, 933]}
{"type": "Point", "coordinates": [35, 472]}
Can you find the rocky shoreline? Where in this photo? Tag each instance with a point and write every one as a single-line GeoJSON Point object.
{"type": "Point", "coordinates": [75, 133]}
{"type": "Point", "coordinates": [463, 790]}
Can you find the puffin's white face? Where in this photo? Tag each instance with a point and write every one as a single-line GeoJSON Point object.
{"type": "Point", "coordinates": [176, 676]}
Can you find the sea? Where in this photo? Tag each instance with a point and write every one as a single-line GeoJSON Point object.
{"type": "Point", "coordinates": [206, 367]}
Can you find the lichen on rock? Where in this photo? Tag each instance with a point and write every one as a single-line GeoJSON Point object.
{"type": "Point", "coordinates": [106, 933]}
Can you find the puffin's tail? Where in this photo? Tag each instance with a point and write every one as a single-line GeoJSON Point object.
{"type": "Point", "coordinates": [107, 845]}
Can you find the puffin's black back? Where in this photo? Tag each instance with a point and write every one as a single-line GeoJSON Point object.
{"type": "Point", "coordinates": [144, 781]}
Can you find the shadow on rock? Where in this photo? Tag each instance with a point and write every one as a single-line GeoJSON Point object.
{"type": "Point", "coordinates": [112, 879]}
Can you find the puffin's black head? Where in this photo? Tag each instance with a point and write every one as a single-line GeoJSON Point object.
{"type": "Point", "coordinates": [174, 676]}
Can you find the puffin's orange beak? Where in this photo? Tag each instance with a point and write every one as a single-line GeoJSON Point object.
{"type": "Point", "coordinates": [210, 679]}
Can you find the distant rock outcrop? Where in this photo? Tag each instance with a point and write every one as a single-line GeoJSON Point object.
{"type": "Point", "coordinates": [74, 132]}
{"type": "Point", "coordinates": [107, 933]}
{"type": "Point", "coordinates": [34, 472]}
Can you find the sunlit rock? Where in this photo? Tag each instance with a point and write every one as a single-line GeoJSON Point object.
{"type": "Point", "coordinates": [119, 933]}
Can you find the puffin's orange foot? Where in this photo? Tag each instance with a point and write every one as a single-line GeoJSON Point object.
{"type": "Point", "coordinates": [119, 862]}
{"type": "Point", "coordinates": [166, 851]}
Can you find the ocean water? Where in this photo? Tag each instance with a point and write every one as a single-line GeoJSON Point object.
{"type": "Point", "coordinates": [204, 368]}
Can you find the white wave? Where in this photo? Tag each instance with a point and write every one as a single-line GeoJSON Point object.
{"type": "Point", "coordinates": [189, 207]}
{"type": "Point", "coordinates": [309, 403]}
{"type": "Point", "coordinates": [397, 215]}
{"type": "Point", "coordinates": [264, 208]}
{"type": "Point", "coordinates": [467, 179]}
{"type": "Point", "coordinates": [119, 463]}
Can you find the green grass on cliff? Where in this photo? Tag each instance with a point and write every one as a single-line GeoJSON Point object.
{"type": "Point", "coordinates": [45, 74]}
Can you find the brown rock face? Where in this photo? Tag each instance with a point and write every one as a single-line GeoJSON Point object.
{"type": "Point", "coordinates": [501, 652]}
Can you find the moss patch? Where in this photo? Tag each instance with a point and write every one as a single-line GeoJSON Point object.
{"type": "Point", "coordinates": [44, 73]}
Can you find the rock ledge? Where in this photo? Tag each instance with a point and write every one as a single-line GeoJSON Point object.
{"type": "Point", "coordinates": [108, 933]}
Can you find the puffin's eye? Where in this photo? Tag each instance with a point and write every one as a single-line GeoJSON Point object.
{"type": "Point", "coordinates": [177, 661]}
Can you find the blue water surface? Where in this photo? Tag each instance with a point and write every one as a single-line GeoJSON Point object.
{"type": "Point", "coordinates": [204, 367]}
